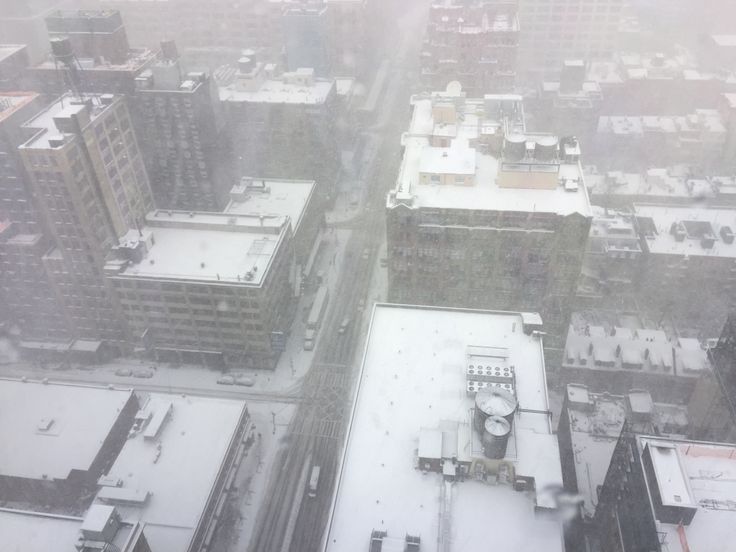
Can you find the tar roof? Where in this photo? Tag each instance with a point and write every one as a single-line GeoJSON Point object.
{"type": "Point", "coordinates": [413, 377]}
{"type": "Point", "coordinates": [178, 468]}
{"type": "Point", "coordinates": [47, 430]}
{"type": "Point", "coordinates": [707, 472]}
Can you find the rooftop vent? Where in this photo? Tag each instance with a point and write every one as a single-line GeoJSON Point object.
{"type": "Point", "coordinates": [726, 234]}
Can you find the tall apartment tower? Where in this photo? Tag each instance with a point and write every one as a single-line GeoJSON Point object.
{"type": "Point", "coordinates": [27, 290]}
{"type": "Point", "coordinates": [474, 42]}
{"type": "Point", "coordinates": [181, 126]}
{"type": "Point", "coordinates": [553, 32]}
{"type": "Point", "coordinates": [282, 125]}
{"type": "Point", "coordinates": [87, 174]}
{"type": "Point", "coordinates": [485, 215]}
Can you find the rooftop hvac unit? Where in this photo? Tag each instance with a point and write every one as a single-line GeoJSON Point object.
{"type": "Point", "coordinates": [708, 241]}
{"type": "Point", "coordinates": [726, 234]}
{"type": "Point", "coordinates": [678, 231]}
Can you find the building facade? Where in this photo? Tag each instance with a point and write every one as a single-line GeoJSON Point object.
{"type": "Point", "coordinates": [474, 43]}
{"type": "Point", "coordinates": [181, 123]}
{"type": "Point", "coordinates": [553, 32]}
{"type": "Point", "coordinates": [282, 126]}
{"type": "Point", "coordinates": [207, 287]}
{"type": "Point", "coordinates": [484, 215]}
{"type": "Point", "coordinates": [87, 174]}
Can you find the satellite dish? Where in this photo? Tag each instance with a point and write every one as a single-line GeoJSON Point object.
{"type": "Point", "coordinates": [454, 88]}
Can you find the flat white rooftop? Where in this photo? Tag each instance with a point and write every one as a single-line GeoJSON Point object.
{"type": "Point", "coordinates": [211, 247]}
{"type": "Point", "coordinates": [463, 153]}
{"type": "Point", "coordinates": [279, 92]}
{"type": "Point", "coordinates": [695, 223]}
{"type": "Point", "coordinates": [413, 377]}
{"type": "Point", "coordinates": [706, 473]}
{"type": "Point", "coordinates": [48, 430]}
{"type": "Point", "coordinates": [285, 198]}
{"type": "Point", "coordinates": [30, 532]}
{"type": "Point", "coordinates": [45, 127]}
{"type": "Point", "coordinates": [179, 467]}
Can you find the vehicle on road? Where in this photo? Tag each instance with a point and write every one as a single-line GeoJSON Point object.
{"type": "Point", "coordinates": [124, 372]}
{"type": "Point", "coordinates": [361, 304]}
{"type": "Point", "coordinates": [313, 482]}
{"type": "Point", "coordinates": [344, 325]}
{"type": "Point", "coordinates": [366, 253]}
{"type": "Point", "coordinates": [384, 262]}
{"type": "Point", "coordinates": [309, 338]}
{"type": "Point", "coordinates": [143, 374]}
{"type": "Point", "coordinates": [226, 380]}
{"type": "Point", "coordinates": [245, 381]}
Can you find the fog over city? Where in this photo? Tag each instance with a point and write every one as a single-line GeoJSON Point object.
{"type": "Point", "coordinates": [367, 275]}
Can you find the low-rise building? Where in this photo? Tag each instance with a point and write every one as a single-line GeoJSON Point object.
{"type": "Point", "coordinates": [690, 262]}
{"type": "Point", "coordinates": [452, 427]}
{"type": "Point", "coordinates": [663, 493]}
{"type": "Point", "coordinates": [643, 141]}
{"type": "Point", "coordinates": [58, 440]}
{"type": "Point", "coordinates": [210, 287]}
{"type": "Point", "coordinates": [613, 258]}
{"type": "Point", "coordinates": [484, 214]}
{"type": "Point", "coordinates": [621, 358]}
{"type": "Point", "coordinates": [101, 527]}
{"type": "Point", "coordinates": [589, 428]}
{"type": "Point", "coordinates": [118, 462]}
{"type": "Point", "coordinates": [673, 185]}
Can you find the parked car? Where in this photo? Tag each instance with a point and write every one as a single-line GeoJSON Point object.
{"type": "Point", "coordinates": [124, 372]}
{"type": "Point", "coordinates": [226, 380]}
{"type": "Point", "coordinates": [245, 381]}
{"type": "Point", "coordinates": [344, 325]}
{"type": "Point", "coordinates": [143, 374]}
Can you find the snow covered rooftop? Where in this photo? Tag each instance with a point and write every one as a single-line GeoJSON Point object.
{"type": "Point", "coordinates": [641, 350]}
{"type": "Point", "coordinates": [703, 477]}
{"type": "Point", "coordinates": [413, 378]}
{"type": "Point", "coordinates": [10, 102]}
{"type": "Point", "coordinates": [44, 123]}
{"type": "Point", "coordinates": [169, 477]}
{"type": "Point", "coordinates": [33, 532]}
{"type": "Point", "coordinates": [7, 50]}
{"type": "Point", "coordinates": [288, 89]}
{"type": "Point", "coordinates": [596, 421]}
{"type": "Point", "coordinates": [451, 137]}
{"type": "Point", "coordinates": [48, 430]}
{"type": "Point", "coordinates": [226, 247]}
{"type": "Point", "coordinates": [688, 231]}
{"type": "Point", "coordinates": [254, 196]}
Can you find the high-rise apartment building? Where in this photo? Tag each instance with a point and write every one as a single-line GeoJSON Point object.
{"type": "Point", "coordinates": [27, 290]}
{"type": "Point", "coordinates": [305, 31]}
{"type": "Point", "coordinates": [485, 215]}
{"type": "Point", "coordinates": [179, 120]}
{"type": "Point", "coordinates": [555, 30]}
{"type": "Point", "coordinates": [87, 174]}
{"type": "Point", "coordinates": [472, 42]}
{"type": "Point", "coordinates": [282, 125]}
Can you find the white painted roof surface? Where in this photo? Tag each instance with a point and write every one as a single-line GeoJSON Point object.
{"type": "Point", "coordinates": [194, 441]}
{"type": "Point", "coordinates": [284, 198]}
{"type": "Point", "coordinates": [665, 243]}
{"type": "Point", "coordinates": [50, 429]}
{"type": "Point", "coordinates": [709, 470]}
{"type": "Point", "coordinates": [412, 378]}
{"type": "Point", "coordinates": [420, 156]}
